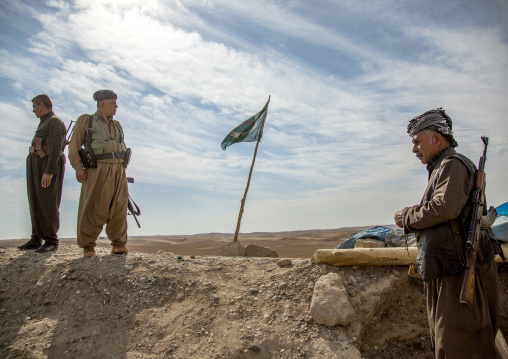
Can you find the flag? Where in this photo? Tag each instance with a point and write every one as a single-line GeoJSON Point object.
{"type": "Point", "coordinates": [250, 130]}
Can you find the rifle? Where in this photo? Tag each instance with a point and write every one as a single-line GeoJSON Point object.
{"type": "Point", "coordinates": [478, 222]}
{"type": "Point", "coordinates": [131, 205]}
{"type": "Point", "coordinates": [68, 138]}
{"type": "Point", "coordinates": [43, 151]}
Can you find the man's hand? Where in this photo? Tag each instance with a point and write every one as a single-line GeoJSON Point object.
{"type": "Point", "coordinates": [81, 175]}
{"type": "Point", "coordinates": [46, 180]}
{"type": "Point", "coordinates": [398, 217]}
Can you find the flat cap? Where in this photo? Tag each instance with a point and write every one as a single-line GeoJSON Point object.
{"type": "Point", "coordinates": [104, 95]}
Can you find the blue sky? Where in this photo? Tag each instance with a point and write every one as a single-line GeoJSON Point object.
{"type": "Point", "coordinates": [345, 77]}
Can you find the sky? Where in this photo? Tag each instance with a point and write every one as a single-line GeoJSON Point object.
{"type": "Point", "coordinates": [344, 77]}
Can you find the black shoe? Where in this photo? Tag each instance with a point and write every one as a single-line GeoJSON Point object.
{"type": "Point", "coordinates": [46, 247]}
{"type": "Point", "coordinates": [29, 245]}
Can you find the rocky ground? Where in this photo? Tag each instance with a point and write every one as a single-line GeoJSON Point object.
{"type": "Point", "coordinates": [164, 305]}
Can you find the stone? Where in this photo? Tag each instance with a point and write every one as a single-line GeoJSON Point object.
{"type": "Point", "coordinates": [284, 262]}
{"type": "Point", "coordinates": [205, 288]}
{"type": "Point", "coordinates": [233, 249]}
{"type": "Point", "coordinates": [255, 348]}
{"type": "Point", "coordinates": [501, 346]}
{"type": "Point", "coordinates": [252, 250]}
{"type": "Point", "coordinates": [369, 243]}
{"type": "Point", "coordinates": [322, 269]}
{"type": "Point", "coordinates": [330, 302]}
{"type": "Point", "coordinates": [282, 285]}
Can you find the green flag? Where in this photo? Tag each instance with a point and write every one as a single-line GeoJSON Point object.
{"type": "Point", "coordinates": [250, 130]}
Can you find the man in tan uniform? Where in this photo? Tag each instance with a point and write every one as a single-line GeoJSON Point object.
{"type": "Point", "coordinates": [104, 192]}
{"type": "Point", "coordinates": [441, 224]}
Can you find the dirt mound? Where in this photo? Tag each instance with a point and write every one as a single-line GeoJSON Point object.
{"type": "Point", "coordinates": [162, 305]}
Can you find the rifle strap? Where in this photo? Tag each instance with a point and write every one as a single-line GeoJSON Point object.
{"type": "Point", "coordinates": [411, 270]}
{"type": "Point", "coordinates": [131, 204]}
{"type": "Point", "coordinates": [501, 253]}
{"type": "Point", "coordinates": [89, 132]}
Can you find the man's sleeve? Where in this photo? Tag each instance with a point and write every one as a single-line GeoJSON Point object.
{"type": "Point", "coordinates": [56, 136]}
{"type": "Point", "coordinates": [76, 141]}
{"type": "Point", "coordinates": [450, 196]}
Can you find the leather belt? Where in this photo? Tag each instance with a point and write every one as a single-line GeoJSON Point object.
{"type": "Point", "coordinates": [32, 150]}
{"type": "Point", "coordinates": [38, 151]}
{"type": "Point", "coordinates": [108, 156]}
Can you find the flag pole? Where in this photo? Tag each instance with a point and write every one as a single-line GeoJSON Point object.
{"type": "Point", "coordinates": [250, 172]}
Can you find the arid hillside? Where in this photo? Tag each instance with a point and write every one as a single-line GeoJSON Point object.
{"type": "Point", "coordinates": [174, 305]}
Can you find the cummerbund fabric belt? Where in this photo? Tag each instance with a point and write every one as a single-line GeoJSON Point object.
{"type": "Point", "coordinates": [107, 156]}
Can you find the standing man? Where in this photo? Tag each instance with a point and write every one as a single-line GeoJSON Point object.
{"type": "Point", "coordinates": [441, 224]}
{"type": "Point", "coordinates": [45, 166]}
{"type": "Point", "coordinates": [100, 168]}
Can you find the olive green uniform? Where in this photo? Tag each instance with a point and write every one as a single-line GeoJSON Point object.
{"type": "Point", "coordinates": [104, 194]}
{"type": "Point", "coordinates": [44, 203]}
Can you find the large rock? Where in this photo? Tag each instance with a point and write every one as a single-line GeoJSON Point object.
{"type": "Point", "coordinates": [330, 302]}
{"type": "Point", "coordinates": [233, 249]}
{"type": "Point", "coordinates": [252, 250]}
{"type": "Point", "coordinates": [369, 243]}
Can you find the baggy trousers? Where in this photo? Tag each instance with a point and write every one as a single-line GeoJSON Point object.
{"type": "Point", "coordinates": [456, 331]}
{"type": "Point", "coordinates": [103, 201]}
{"type": "Point", "coordinates": [44, 203]}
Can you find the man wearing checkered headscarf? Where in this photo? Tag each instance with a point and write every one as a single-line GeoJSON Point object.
{"type": "Point", "coordinates": [441, 224]}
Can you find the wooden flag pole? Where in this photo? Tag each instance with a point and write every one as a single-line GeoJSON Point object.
{"type": "Point", "coordinates": [250, 173]}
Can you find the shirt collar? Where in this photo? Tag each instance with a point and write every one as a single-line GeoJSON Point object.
{"type": "Point", "coordinates": [434, 161]}
{"type": "Point", "coordinates": [46, 116]}
{"type": "Point", "coordinates": [103, 118]}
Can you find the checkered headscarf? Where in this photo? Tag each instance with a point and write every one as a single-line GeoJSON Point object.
{"type": "Point", "coordinates": [436, 120]}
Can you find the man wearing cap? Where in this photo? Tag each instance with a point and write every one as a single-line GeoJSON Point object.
{"type": "Point", "coordinates": [45, 166]}
{"type": "Point", "coordinates": [441, 224]}
{"type": "Point", "coordinates": [104, 192]}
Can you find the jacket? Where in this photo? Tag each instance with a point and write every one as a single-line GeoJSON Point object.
{"type": "Point", "coordinates": [441, 220]}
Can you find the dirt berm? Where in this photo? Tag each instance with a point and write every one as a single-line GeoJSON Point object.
{"type": "Point", "coordinates": [162, 305]}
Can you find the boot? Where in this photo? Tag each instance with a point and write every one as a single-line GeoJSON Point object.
{"type": "Point", "coordinates": [88, 251]}
{"type": "Point", "coordinates": [31, 244]}
{"type": "Point", "coordinates": [47, 247]}
{"type": "Point", "coordinates": [119, 249]}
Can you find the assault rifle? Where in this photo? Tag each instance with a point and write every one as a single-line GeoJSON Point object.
{"type": "Point", "coordinates": [68, 138]}
{"type": "Point", "coordinates": [131, 205]}
{"type": "Point", "coordinates": [478, 222]}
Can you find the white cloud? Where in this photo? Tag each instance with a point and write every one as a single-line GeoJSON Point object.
{"type": "Point", "coordinates": [19, 127]}
{"type": "Point", "coordinates": [185, 79]}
